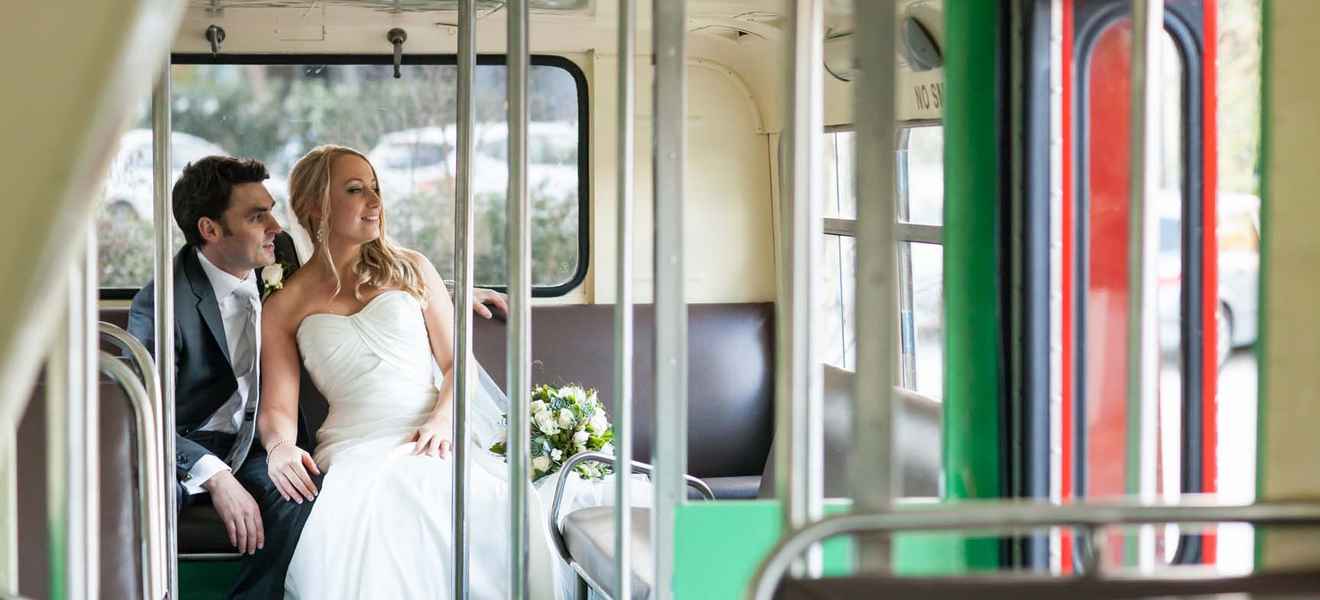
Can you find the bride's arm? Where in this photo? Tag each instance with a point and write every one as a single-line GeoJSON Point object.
{"type": "Point", "coordinates": [287, 465]}
{"type": "Point", "coordinates": [434, 437]}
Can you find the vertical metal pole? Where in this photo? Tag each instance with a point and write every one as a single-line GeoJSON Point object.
{"type": "Point", "coordinates": [669, 28]}
{"type": "Point", "coordinates": [1143, 351]}
{"type": "Point", "coordinates": [623, 303]}
{"type": "Point", "coordinates": [164, 278]}
{"type": "Point", "coordinates": [72, 427]}
{"type": "Point", "coordinates": [873, 427]}
{"type": "Point", "coordinates": [8, 508]}
{"type": "Point", "coordinates": [798, 418]}
{"type": "Point", "coordinates": [520, 298]}
{"type": "Point", "coordinates": [463, 267]}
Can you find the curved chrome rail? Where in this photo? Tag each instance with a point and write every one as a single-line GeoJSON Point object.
{"type": "Point", "coordinates": [140, 355]}
{"type": "Point", "coordinates": [150, 492]}
{"type": "Point", "coordinates": [637, 467]}
{"type": "Point", "coordinates": [1018, 516]}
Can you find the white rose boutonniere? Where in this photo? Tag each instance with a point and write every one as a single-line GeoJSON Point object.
{"type": "Point", "coordinates": [272, 278]}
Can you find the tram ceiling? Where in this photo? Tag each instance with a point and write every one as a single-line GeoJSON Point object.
{"type": "Point", "coordinates": [393, 6]}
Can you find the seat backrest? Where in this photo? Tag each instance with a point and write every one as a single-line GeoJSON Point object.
{"type": "Point", "coordinates": [120, 527]}
{"type": "Point", "coordinates": [730, 374]}
{"type": "Point", "coordinates": [917, 429]}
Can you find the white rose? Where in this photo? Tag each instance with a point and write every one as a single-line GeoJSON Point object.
{"type": "Point", "coordinates": [556, 454]}
{"type": "Point", "coordinates": [273, 276]}
{"type": "Point", "coordinates": [580, 438]}
{"type": "Point", "coordinates": [538, 406]}
{"type": "Point", "coordinates": [566, 419]}
{"type": "Point", "coordinates": [607, 449]}
{"type": "Point", "coordinates": [546, 423]}
{"type": "Point", "coordinates": [540, 464]}
{"type": "Point", "coordinates": [598, 422]}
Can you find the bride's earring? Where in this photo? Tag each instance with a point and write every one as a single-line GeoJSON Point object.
{"type": "Point", "coordinates": [320, 232]}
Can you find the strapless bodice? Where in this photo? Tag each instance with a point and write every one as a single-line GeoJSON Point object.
{"type": "Point", "coordinates": [376, 371]}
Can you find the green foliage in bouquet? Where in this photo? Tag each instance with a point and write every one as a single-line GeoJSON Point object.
{"type": "Point", "coordinates": [565, 421]}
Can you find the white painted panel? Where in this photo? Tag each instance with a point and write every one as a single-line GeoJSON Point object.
{"type": "Point", "coordinates": [728, 218]}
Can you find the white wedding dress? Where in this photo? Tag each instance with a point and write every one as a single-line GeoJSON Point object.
{"type": "Point", "coordinates": [381, 526]}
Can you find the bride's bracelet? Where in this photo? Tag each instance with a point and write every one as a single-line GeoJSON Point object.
{"type": "Point", "coordinates": [276, 445]}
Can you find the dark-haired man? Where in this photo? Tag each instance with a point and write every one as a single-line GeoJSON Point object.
{"type": "Point", "coordinates": [225, 213]}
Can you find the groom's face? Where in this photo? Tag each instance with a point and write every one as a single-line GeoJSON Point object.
{"type": "Point", "coordinates": [247, 236]}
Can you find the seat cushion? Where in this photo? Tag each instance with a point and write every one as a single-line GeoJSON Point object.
{"type": "Point", "coordinates": [742, 487]}
{"type": "Point", "coordinates": [589, 534]}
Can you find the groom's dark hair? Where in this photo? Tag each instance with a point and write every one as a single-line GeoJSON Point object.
{"type": "Point", "coordinates": [203, 191]}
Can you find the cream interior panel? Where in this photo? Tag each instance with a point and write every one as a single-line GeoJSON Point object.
{"type": "Point", "coordinates": [729, 250]}
{"type": "Point", "coordinates": [1289, 377]}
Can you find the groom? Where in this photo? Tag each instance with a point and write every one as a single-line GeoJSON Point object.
{"type": "Point", "coordinates": [224, 211]}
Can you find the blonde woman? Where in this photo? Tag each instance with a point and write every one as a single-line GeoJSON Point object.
{"type": "Point", "coordinates": [372, 324]}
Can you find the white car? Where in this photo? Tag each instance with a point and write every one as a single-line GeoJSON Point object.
{"type": "Point", "coordinates": [1239, 271]}
{"type": "Point", "coordinates": [128, 190]}
{"type": "Point", "coordinates": [425, 158]}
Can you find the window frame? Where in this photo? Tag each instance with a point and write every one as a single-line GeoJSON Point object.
{"type": "Point", "coordinates": [546, 60]}
{"type": "Point", "coordinates": [905, 233]}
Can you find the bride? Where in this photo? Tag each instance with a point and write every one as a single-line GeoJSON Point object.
{"type": "Point", "coordinates": [372, 324]}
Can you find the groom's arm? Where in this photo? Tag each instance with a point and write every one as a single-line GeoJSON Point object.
{"type": "Point", "coordinates": [194, 464]}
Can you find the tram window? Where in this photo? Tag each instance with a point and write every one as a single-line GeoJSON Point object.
{"type": "Point", "coordinates": [920, 194]}
{"type": "Point", "coordinates": [406, 127]}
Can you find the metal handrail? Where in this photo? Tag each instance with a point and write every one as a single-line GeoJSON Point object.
{"type": "Point", "coordinates": [150, 380]}
{"type": "Point", "coordinates": [150, 493]}
{"type": "Point", "coordinates": [140, 355]}
{"type": "Point", "coordinates": [1008, 517]}
{"type": "Point", "coordinates": [637, 467]}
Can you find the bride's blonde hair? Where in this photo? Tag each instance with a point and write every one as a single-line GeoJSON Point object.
{"type": "Point", "coordinates": [382, 263]}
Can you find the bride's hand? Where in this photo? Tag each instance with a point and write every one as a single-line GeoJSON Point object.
{"type": "Point", "coordinates": [433, 437]}
{"type": "Point", "coordinates": [288, 467]}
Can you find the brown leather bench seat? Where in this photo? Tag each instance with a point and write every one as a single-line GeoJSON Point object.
{"type": "Point", "coordinates": [730, 382]}
{"type": "Point", "coordinates": [120, 529]}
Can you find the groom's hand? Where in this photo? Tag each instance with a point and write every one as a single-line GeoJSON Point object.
{"type": "Point", "coordinates": [288, 467]}
{"type": "Point", "coordinates": [240, 513]}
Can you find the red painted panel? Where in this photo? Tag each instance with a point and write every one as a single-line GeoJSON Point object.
{"type": "Point", "coordinates": [1107, 185]}
{"type": "Point", "coordinates": [1210, 295]}
{"type": "Point", "coordinates": [1067, 275]}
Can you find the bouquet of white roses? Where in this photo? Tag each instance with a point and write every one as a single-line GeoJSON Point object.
{"type": "Point", "coordinates": [565, 421]}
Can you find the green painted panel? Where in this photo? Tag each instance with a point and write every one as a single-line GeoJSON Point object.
{"type": "Point", "coordinates": [1266, 189]}
{"type": "Point", "coordinates": [206, 580]}
{"type": "Point", "coordinates": [973, 366]}
{"type": "Point", "coordinates": [720, 545]}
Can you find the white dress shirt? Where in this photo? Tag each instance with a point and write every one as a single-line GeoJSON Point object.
{"type": "Point", "coordinates": [231, 294]}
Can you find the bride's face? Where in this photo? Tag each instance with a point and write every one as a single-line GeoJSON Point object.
{"type": "Point", "coordinates": [355, 208]}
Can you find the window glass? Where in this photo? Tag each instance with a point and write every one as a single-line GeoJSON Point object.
{"type": "Point", "coordinates": [922, 318]}
{"type": "Point", "coordinates": [921, 176]}
{"type": "Point", "coordinates": [840, 275]}
{"type": "Point", "coordinates": [276, 113]}
{"type": "Point", "coordinates": [840, 201]}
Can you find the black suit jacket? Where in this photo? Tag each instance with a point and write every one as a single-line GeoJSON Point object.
{"type": "Point", "coordinates": [204, 377]}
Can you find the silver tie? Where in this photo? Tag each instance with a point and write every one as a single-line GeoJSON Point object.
{"type": "Point", "coordinates": [245, 362]}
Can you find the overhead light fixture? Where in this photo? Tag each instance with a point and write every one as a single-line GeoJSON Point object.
{"type": "Point", "coordinates": [839, 60]}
